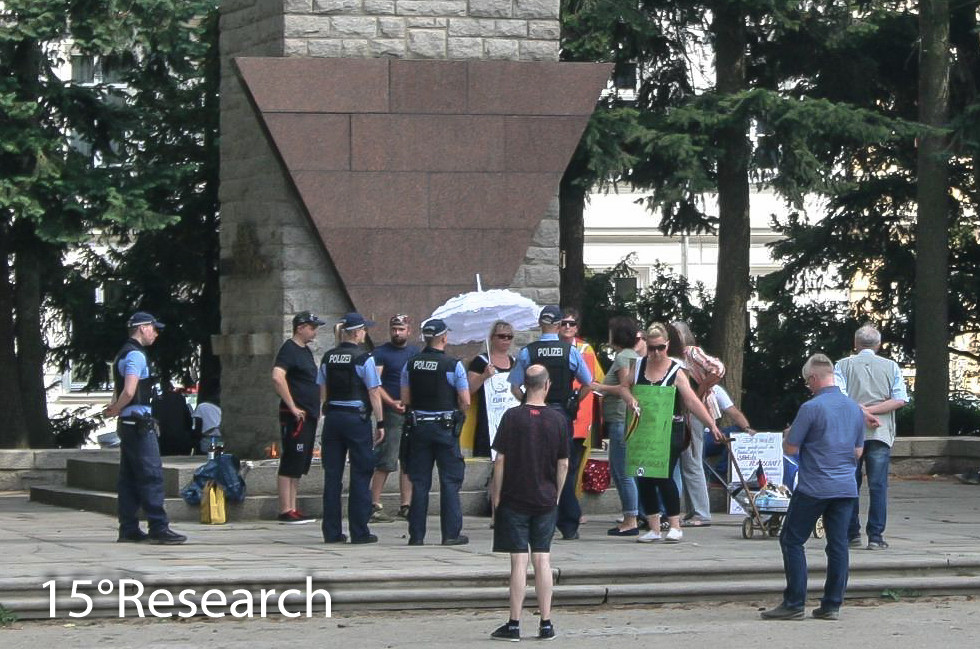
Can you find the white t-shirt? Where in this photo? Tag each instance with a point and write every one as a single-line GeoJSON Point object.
{"type": "Point", "coordinates": [724, 401]}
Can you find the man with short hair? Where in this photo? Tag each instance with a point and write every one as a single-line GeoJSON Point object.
{"type": "Point", "coordinates": [435, 389]}
{"type": "Point", "coordinates": [294, 379]}
{"type": "Point", "coordinates": [528, 475]}
{"type": "Point", "coordinates": [140, 483]}
{"type": "Point", "coordinates": [564, 364]}
{"type": "Point", "coordinates": [828, 434]}
{"type": "Point", "coordinates": [876, 384]}
{"type": "Point", "coordinates": [390, 359]}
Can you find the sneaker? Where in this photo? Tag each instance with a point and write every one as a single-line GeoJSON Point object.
{"type": "Point", "coordinates": [378, 515]}
{"type": "Point", "coordinates": [293, 517]}
{"type": "Point", "coordinates": [462, 539]}
{"type": "Point", "coordinates": [136, 536]}
{"type": "Point", "coordinates": [782, 613]}
{"type": "Point", "coordinates": [508, 631]}
{"type": "Point", "coordinates": [403, 512]}
{"type": "Point", "coordinates": [878, 544]}
{"type": "Point", "coordinates": [652, 536]}
{"type": "Point", "coordinates": [855, 542]}
{"type": "Point", "coordinates": [664, 525]}
{"type": "Point", "coordinates": [337, 539]}
{"type": "Point", "coordinates": [362, 540]}
{"type": "Point", "coordinates": [825, 613]}
{"type": "Point", "coordinates": [970, 477]}
{"type": "Point", "coordinates": [416, 542]}
{"type": "Point", "coordinates": [674, 535]}
{"type": "Point", "coordinates": [167, 537]}
{"type": "Point", "coordinates": [546, 631]}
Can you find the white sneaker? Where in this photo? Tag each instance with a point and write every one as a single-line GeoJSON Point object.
{"type": "Point", "coordinates": [652, 536]}
{"type": "Point", "coordinates": [673, 535]}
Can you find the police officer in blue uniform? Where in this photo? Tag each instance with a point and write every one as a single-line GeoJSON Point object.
{"type": "Point", "coordinates": [140, 482]}
{"type": "Point", "coordinates": [564, 364]}
{"type": "Point", "coordinates": [350, 393]}
{"type": "Point", "coordinates": [435, 390]}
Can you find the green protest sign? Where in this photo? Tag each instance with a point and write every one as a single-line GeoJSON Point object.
{"type": "Point", "coordinates": [648, 440]}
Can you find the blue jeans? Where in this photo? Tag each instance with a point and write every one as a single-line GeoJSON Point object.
{"type": "Point", "coordinates": [343, 433]}
{"type": "Point", "coordinates": [432, 443]}
{"type": "Point", "coordinates": [876, 460]}
{"type": "Point", "coordinates": [625, 484]}
{"type": "Point", "coordinates": [797, 526]}
{"type": "Point", "coordinates": [140, 483]}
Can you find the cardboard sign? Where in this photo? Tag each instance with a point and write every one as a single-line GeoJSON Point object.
{"type": "Point", "coordinates": [749, 450]}
{"type": "Point", "coordinates": [648, 440]}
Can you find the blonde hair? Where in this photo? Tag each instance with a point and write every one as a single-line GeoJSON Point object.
{"type": "Point", "coordinates": [500, 324]}
{"type": "Point", "coordinates": [657, 330]}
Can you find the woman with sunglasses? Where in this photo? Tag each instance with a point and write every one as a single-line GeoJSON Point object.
{"type": "Point", "coordinates": [657, 368]}
{"type": "Point", "coordinates": [481, 368]}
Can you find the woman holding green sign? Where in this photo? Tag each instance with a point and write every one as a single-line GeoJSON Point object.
{"type": "Point", "coordinates": [657, 434]}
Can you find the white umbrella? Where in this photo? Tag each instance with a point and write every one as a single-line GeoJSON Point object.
{"type": "Point", "coordinates": [470, 315]}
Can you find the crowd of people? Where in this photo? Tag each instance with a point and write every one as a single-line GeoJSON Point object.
{"type": "Point", "coordinates": [402, 407]}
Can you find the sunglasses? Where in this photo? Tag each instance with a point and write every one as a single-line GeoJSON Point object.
{"type": "Point", "coordinates": [657, 348]}
{"type": "Point", "coordinates": [504, 336]}
{"type": "Point", "coordinates": [569, 323]}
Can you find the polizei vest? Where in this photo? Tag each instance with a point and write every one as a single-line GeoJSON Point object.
{"type": "Point", "coordinates": [554, 355]}
{"type": "Point", "coordinates": [427, 380]}
{"type": "Point", "coordinates": [343, 384]}
{"type": "Point", "coordinates": [144, 389]}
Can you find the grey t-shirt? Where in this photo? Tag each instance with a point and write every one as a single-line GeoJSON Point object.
{"type": "Point", "coordinates": [614, 408]}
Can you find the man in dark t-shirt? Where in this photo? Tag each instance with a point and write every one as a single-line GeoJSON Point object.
{"type": "Point", "coordinates": [294, 379]}
{"type": "Point", "coordinates": [390, 359]}
{"type": "Point", "coordinates": [528, 475]}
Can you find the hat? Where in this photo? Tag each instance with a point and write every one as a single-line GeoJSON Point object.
{"type": "Point", "coordinates": [143, 318]}
{"type": "Point", "coordinates": [550, 315]}
{"type": "Point", "coordinates": [434, 327]}
{"type": "Point", "coordinates": [400, 320]}
{"type": "Point", "coordinates": [352, 321]}
{"type": "Point", "coordinates": [307, 317]}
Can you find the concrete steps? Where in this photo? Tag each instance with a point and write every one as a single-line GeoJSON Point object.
{"type": "Point", "coordinates": [584, 585]}
{"type": "Point", "coordinates": [91, 486]}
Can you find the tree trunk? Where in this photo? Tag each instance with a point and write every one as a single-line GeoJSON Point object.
{"type": "Point", "coordinates": [30, 344]}
{"type": "Point", "coordinates": [932, 226]}
{"type": "Point", "coordinates": [571, 238]}
{"type": "Point", "coordinates": [729, 323]}
{"type": "Point", "coordinates": [13, 429]}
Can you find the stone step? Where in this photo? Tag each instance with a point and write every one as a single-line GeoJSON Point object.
{"type": "Point", "coordinates": [100, 474]}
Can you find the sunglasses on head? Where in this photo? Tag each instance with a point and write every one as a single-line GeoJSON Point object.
{"type": "Point", "coordinates": [657, 348]}
{"type": "Point", "coordinates": [569, 323]}
{"type": "Point", "coordinates": [504, 336]}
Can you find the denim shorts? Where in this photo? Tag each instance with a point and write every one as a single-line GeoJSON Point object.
{"type": "Point", "coordinates": [514, 532]}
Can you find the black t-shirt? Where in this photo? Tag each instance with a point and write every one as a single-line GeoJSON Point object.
{"type": "Point", "coordinates": [481, 440]}
{"type": "Point", "coordinates": [300, 376]}
{"type": "Point", "coordinates": [532, 440]}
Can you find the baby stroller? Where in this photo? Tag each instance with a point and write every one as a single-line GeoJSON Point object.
{"type": "Point", "coordinates": [765, 503]}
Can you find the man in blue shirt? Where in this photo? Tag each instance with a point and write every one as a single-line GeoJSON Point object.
{"type": "Point", "coordinates": [140, 483]}
{"type": "Point", "coordinates": [390, 359]}
{"type": "Point", "coordinates": [564, 363]}
{"type": "Point", "coordinates": [828, 434]}
{"type": "Point", "coordinates": [435, 389]}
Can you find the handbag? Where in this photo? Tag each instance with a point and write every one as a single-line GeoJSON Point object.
{"type": "Point", "coordinates": [595, 477]}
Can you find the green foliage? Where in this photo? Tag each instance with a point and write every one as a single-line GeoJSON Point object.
{"type": "Point", "coordinates": [964, 416]}
{"type": "Point", "coordinates": [7, 617]}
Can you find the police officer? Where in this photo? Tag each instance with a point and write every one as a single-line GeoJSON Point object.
{"type": "Point", "coordinates": [435, 390]}
{"type": "Point", "coordinates": [565, 364]}
{"type": "Point", "coordinates": [140, 482]}
{"type": "Point", "coordinates": [350, 393]}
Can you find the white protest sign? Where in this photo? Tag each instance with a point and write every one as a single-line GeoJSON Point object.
{"type": "Point", "coordinates": [749, 450]}
{"type": "Point", "coordinates": [499, 399]}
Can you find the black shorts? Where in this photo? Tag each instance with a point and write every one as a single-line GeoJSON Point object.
{"type": "Point", "coordinates": [514, 532]}
{"type": "Point", "coordinates": [297, 444]}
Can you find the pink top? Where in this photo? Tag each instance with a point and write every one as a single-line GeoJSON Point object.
{"type": "Point", "coordinates": [707, 371]}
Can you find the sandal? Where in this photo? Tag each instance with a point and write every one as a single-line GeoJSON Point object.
{"type": "Point", "coordinates": [695, 522]}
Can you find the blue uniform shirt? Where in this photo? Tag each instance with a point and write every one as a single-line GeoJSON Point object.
{"type": "Point", "coordinates": [827, 429]}
{"type": "Point", "coordinates": [134, 364]}
{"type": "Point", "coordinates": [456, 378]}
{"type": "Point", "coordinates": [366, 371]}
{"type": "Point", "coordinates": [575, 361]}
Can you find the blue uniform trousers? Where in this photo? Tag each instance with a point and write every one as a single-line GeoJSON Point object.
{"type": "Point", "coordinates": [140, 482]}
{"type": "Point", "coordinates": [434, 443]}
{"type": "Point", "coordinates": [343, 433]}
